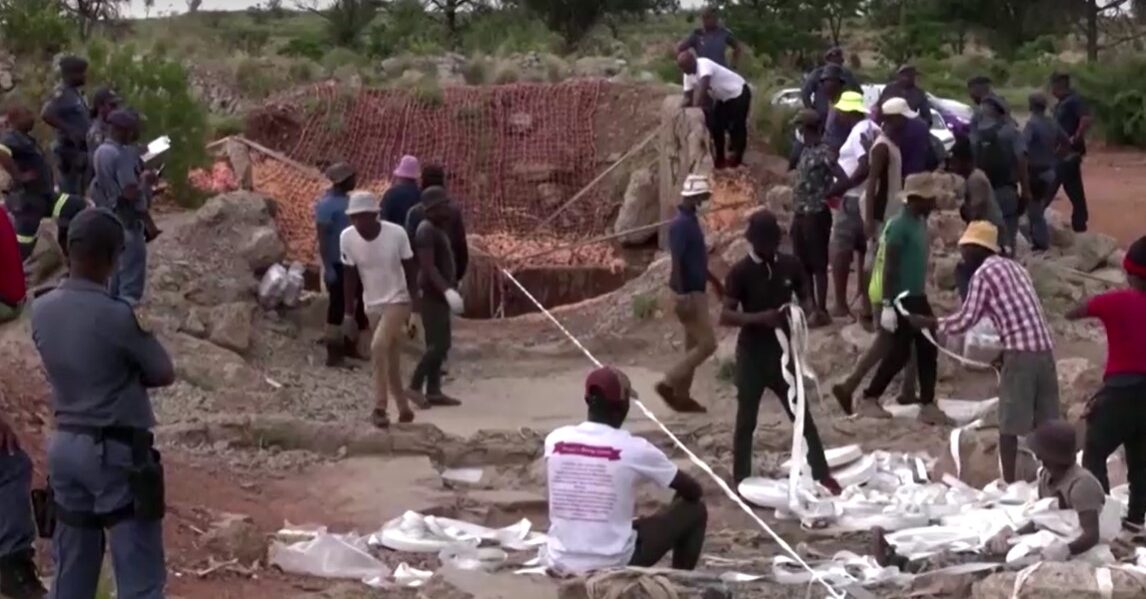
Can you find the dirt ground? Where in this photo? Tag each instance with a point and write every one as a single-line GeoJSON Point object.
{"type": "Point", "coordinates": [1114, 179]}
{"type": "Point", "coordinates": [518, 379]}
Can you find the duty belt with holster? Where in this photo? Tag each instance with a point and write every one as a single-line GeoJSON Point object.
{"type": "Point", "coordinates": [145, 478]}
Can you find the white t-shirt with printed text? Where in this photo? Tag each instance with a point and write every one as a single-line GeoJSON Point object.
{"type": "Point", "coordinates": [379, 264]}
{"type": "Point", "coordinates": [723, 85]}
{"type": "Point", "coordinates": [593, 473]}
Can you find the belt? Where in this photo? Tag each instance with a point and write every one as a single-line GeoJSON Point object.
{"type": "Point", "coordinates": [127, 435]}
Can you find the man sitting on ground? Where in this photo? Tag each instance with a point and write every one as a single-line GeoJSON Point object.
{"type": "Point", "coordinates": [1002, 290]}
{"type": "Point", "coordinates": [594, 468]}
{"type": "Point", "coordinates": [1054, 444]}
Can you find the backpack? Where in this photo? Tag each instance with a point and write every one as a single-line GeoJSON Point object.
{"type": "Point", "coordinates": [995, 156]}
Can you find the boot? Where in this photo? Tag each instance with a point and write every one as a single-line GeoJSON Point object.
{"type": "Point", "coordinates": [18, 577]}
{"type": "Point", "coordinates": [334, 351]}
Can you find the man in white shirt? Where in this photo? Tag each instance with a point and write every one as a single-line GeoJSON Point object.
{"type": "Point", "coordinates": [378, 254]}
{"type": "Point", "coordinates": [847, 223]}
{"type": "Point", "coordinates": [594, 468]}
{"type": "Point", "coordinates": [731, 100]}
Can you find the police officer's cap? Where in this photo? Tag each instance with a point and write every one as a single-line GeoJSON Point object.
{"type": "Point", "coordinates": [123, 118]}
{"type": "Point", "coordinates": [72, 64]}
{"type": "Point", "coordinates": [104, 95]}
{"type": "Point", "coordinates": [95, 231]}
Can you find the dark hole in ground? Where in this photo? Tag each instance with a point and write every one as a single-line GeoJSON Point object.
{"type": "Point", "coordinates": [488, 294]}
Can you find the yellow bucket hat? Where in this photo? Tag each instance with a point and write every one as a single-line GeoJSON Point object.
{"type": "Point", "coordinates": [851, 102]}
{"type": "Point", "coordinates": [983, 234]}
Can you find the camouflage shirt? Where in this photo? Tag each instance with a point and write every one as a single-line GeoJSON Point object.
{"type": "Point", "coordinates": [814, 177]}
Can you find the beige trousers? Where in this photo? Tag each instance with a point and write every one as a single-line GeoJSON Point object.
{"type": "Point", "coordinates": [388, 324]}
{"type": "Point", "coordinates": [699, 341]}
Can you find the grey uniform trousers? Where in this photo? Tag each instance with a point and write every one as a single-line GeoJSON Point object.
{"type": "Point", "coordinates": [91, 476]}
{"type": "Point", "coordinates": [17, 530]}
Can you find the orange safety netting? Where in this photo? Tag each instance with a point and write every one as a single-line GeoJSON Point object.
{"type": "Point", "coordinates": [513, 156]}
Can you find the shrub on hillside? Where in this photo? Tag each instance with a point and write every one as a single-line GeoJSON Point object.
{"type": "Point", "coordinates": [310, 46]}
{"type": "Point", "coordinates": [1116, 91]}
{"type": "Point", "coordinates": [159, 89]}
{"type": "Point", "coordinates": [39, 28]}
{"type": "Point", "coordinates": [507, 32]}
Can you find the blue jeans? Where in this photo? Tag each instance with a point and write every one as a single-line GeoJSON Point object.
{"type": "Point", "coordinates": [17, 530]}
{"type": "Point", "coordinates": [130, 277]}
{"type": "Point", "coordinates": [92, 477]}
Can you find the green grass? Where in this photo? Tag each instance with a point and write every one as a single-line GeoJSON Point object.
{"type": "Point", "coordinates": [726, 371]}
{"type": "Point", "coordinates": [644, 306]}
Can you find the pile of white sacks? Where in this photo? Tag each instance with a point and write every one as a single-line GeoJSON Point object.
{"type": "Point", "coordinates": [892, 491]}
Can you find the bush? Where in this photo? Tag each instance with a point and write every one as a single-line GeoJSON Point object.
{"type": "Point", "coordinates": [223, 125]}
{"type": "Point", "coordinates": [340, 57]}
{"type": "Point", "coordinates": [1116, 91]}
{"type": "Point", "coordinates": [308, 46]}
{"type": "Point", "coordinates": [254, 78]}
{"type": "Point", "coordinates": [38, 28]}
{"type": "Point", "coordinates": [507, 32]}
{"type": "Point", "coordinates": [302, 71]}
{"type": "Point", "coordinates": [773, 123]}
{"type": "Point", "coordinates": [159, 89]}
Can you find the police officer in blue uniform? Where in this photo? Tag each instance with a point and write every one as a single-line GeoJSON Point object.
{"type": "Point", "coordinates": [18, 578]}
{"type": "Point", "coordinates": [105, 474]}
{"type": "Point", "coordinates": [67, 112]}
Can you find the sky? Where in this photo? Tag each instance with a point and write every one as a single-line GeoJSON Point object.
{"type": "Point", "coordinates": [176, 6]}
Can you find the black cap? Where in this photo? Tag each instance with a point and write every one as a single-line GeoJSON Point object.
{"type": "Point", "coordinates": [434, 196]}
{"type": "Point", "coordinates": [95, 231]}
{"type": "Point", "coordinates": [1136, 255]}
{"type": "Point", "coordinates": [104, 95]}
{"type": "Point", "coordinates": [72, 64]}
{"type": "Point", "coordinates": [762, 226]}
{"type": "Point", "coordinates": [122, 117]}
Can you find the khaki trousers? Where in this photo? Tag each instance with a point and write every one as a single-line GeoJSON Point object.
{"type": "Point", "coordinates": [699, 341]}
{"type": "Point", "coordinates": [388, 324]}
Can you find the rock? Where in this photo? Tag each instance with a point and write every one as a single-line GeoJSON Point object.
{"type": "Point", "coordinates": [640, 208]}
{"type": "Point", "coordinates": [500, 585]}
{"type": "Point", "coordinates": [7, 81]}
{"type": "Point", "coordinates": [945, 229]}
{"type": "Point", "coordinates": [196, 323]}
{"type": "Point", "coordinates": [239, 156]}
{"type": "Point", "coordinates": [235, 536]}
{"type": "Point", "coordinates": [1115, 276]}
{"type": "Point", "coordinates": [1078, 380]}
{"type": "Point", "coordinates": [211, 367]}
{"type": "Point", "coordinates": [552, 195]}
{"type": "Point", "coordinates": [263, 249]}
{"type": "Point", "coordinates": [231, 326]}
{"type": "Point", "coordinates": [1092, 250]}
{"type": "Point", "coordinates": [953, 187]}
{"type": "Point", "coordinates": [687, 585]}
{"type": "Point", "coordinates": [598, 66]}
{"type": "Point", "coordinates": [779, 199]}
{"type": "Point", "coordinates": [235, 208]}
{"type": "Point", "coordinates": [1070, 580]}
{"type": "Point", "coordinates": [943, 271]}
{"type": "Point", "coordinates": [1061, 235]}
{"type": "Point", "coordinates": [1114, 260]}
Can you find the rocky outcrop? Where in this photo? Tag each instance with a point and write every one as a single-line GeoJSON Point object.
{"type": "Point", "coordinates": [264, 249]}
{"type": "Point", "coordinates": [1071, 580]}
{"type": "Point", "coordinates": [640, 208]}
{"type": "Point", "coordinates": [211, 367]}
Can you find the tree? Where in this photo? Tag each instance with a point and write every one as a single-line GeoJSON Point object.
{"type": "Point", "coordinates": [346, 20]}
{"type": "Point", "coordinates": [573, 19]}
{"type": "Point", "coordinates": [836, 12]}
{"type": "Point", "coordinates": [37, 28]}
{"type": "Point", "coordinates": [450, 9]}
{"type": "Point", "coordinates": [786, 30]}
{"type": "Point", "coordinates": [193, 5]}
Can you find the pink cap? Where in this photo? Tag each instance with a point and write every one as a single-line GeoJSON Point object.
{"type": "Point", "coordinates": [408, 168]}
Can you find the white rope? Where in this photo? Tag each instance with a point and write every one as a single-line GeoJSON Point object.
{"type": "Point", "coordinates": [696, 460]}
{"type": "Point", "coordinates": [792, 355]}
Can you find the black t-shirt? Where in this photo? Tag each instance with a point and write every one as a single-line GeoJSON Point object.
{"type": "Point", "coordinates": [27, 155]}
{"type": "Point", "coordinates": [1069, 112]}
{"type": "Point", "coordinates": [758, 287]}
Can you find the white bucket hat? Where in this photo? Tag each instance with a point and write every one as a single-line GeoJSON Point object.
{"type": "Point", "coordinates": [362, 202]}
{"type": "Point", "coordinates": [695, 185]}
{"type": "Point", "coordinates": [898, 106]}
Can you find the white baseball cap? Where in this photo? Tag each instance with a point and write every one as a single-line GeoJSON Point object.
{"type": "Point", "coordinates": [362, 202]}
{"type": "Point", "coordinates": [695, 185]}
{"type": "Point", "coordinates": [898, 106]}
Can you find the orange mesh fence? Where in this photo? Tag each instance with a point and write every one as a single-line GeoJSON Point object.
{"type": "Point", "coordinates": [513, 155]}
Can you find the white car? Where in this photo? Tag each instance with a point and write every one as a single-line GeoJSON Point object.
{"type": "Point", "coordinates": [790, 97]}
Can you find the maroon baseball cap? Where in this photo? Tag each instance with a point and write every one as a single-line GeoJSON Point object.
{"type": "Point", "coordinates": [610, 384]}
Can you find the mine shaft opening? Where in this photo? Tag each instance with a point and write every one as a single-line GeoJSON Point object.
{"type": "Point", "coordinates": [489, 294]}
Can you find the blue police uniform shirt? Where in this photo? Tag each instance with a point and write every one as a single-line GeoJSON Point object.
{"type": "Point", "coordinates": [689, 254]}
{"type": "Point", "coordinates": [99, 361]}
{"type": "Point", "coordinates": [116, 167]}
{"type": "Point", "coordinates": [397, 202]}
{"type": "Point", "coordinates": [330, 213]}
{"type": "Point", "coordinates": [69, 106]}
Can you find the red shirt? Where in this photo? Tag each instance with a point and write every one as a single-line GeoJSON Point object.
{"type": "Point", "coordinates": [12, 285]}
{"type": "Point", "coordinates": [1123, 313]}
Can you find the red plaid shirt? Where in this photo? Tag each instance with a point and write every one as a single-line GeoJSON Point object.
{"type": "Point", "coordinates": [1002, 289]}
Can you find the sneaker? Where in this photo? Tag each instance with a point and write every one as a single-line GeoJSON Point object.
{"type": "Point", "coordinates": [418, 399]}
{"type": "Point", "coordinates": [18, 577]}
{"type": "Point", "coordinates": [871, 408]}
{"type": "Point", "coordinates": [904, 399]}
{"type": "Point", "coordinates": [844, 398]}
{"type": "Point", "coordinates": [931, 414]}
{"type": "Point", "coordinates": [380, 419]}
{"type": "Point", "coordinates": [442, 400]}
{"type": "Point", "coordinates": [689, 405]}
